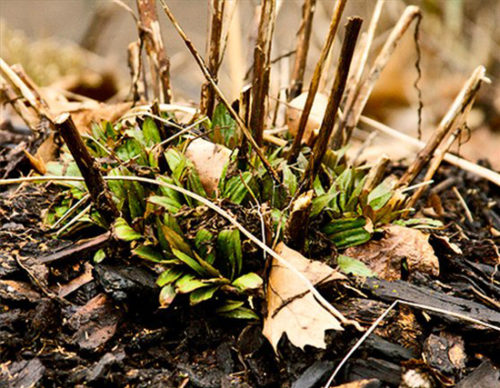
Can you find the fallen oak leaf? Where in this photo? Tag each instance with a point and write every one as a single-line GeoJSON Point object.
{"type": "Point", "coordinates": [385, 256]}
{"type": "Point", "coordinates": [291, 307]}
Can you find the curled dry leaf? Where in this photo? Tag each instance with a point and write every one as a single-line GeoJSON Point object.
{"type": "Point", "coordinates": [209, 160]}
{"type": "Point", "coordinates": [291, 308]}
{"type": "Point", "coordinates": [314, 120]}
{"type": "Point", "coordinates": [385, 256]}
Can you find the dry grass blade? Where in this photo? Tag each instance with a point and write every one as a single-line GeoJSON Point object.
{"type": "Point", "coordinates": [314, 85]}
{"type": "Point", "coordinates": [304, 37]}
{"type": "Point", "coordinates": [351, 117]}
{"type": "Point", "coordinates": [207, 100]}
{"type": "Point", "coordinates": [149, 31]}
{"type": "Point", "coordinates": [262, 68]}
{"type": "Point", "coordinates": [352, 30]}
{"type": "Point", "coordinates": [221, 96]}
{"type": "Point", "coordinates": [446, 126]}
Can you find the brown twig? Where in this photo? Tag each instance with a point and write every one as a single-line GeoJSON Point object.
{"type": "Point", "coordinates": [149, 30]}
{"type": "Point", "coordinates": [446, 126]}
{"type": "Point", "coordinates": [89, 168]}
{"type": "Point", "coordinates": [304, 37]}
{"type": "Point", "coordinates": [262, 68]}
{"type": "Point", "coordinates": [351, 34]}
{"type": "Point", "coordinates": [207, 100]}
{"type": "Point", "coordinates": [135, 66]}
{"type": "Point", "coordinates": [313, 86]}
{"type": "Point", "coordinates": [206, 73]}
{"type": "Point", "coordinates": [376, 174]}
{"type": "Point", "coordinates": [353, 113]}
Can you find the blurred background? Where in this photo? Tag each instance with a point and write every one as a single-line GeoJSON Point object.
{"type": "Point", "coordinates": [455, 36]}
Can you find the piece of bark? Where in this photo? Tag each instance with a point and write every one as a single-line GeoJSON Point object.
{"type": "Point", "coordinates": [22, 373]}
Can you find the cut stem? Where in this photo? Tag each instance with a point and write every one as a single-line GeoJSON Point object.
{"type": "Point", "coordinates": [351, 34]}
{"type": "Point", "coordinates": [89, 168]}
{"type": "Point", "coordinates": [314, 85]}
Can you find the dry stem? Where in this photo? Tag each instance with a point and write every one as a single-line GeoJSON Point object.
{"type": "Point", "coordinates": [353, 113]}
{"type": "Point", "coordinates": [207, 100]}
{"type": "Point", "coordinates": [314, 85]}
{"type": "Point", "coordinates": [261, 68]}
{"type": "Point", "coordinates": [149, 31]}
{"type": "Point", "coordinates": [304, 37]}
{"type": "Point", "coordinates": [89, 168]}
{"type": "Point", "coordinates": [206, 73]}
{"type": "Point", "coordinates": [352, 30]}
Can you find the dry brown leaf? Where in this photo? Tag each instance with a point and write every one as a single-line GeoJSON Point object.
{"type": "Point", "coordinates": [291, 308]}
{"type": "Point", "coordinates": [294, 111]}
{"type": "Point", "coordinates": [209, 160]}
{"type": "Point", "coordinates": [399, 243]}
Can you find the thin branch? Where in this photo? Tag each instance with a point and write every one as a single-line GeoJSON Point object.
{"type": "Point", "coordinates": [303, 40]}
{"type": "Point", "coordinates": [351, 34]}
{"type": "Point", "coordinates": [206, 73]}
{"type": "Point", "coordinates": [313, 86]}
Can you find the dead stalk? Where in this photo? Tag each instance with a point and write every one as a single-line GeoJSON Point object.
{"type": "Point", "coordinates": [262, 68]}
{"type": "Point", "coordinates": [206, 73]}
{"type": "Point", "coordinates": [149, 31]}
{"type": "Point", "coordinates": [89, 168]}
{"type": "Point", "coordinates": [304, 37]}
{"type": "Point", "coordinates": [135, 66]}
{"type": "Point", "coordinates": [351, 34]}
{"type": "Point", "coordinates": [353, 84]}
{"type": "Point", "coordinates": [376, 174]}
{"type": "Point", "coordinates": [314, 85]}
{"type": "Point", "coordinates": [207, 100]}
{"type": "Point", "coordinates": [296, 227]}
{"type": "Point", "coordinates": [461, 199]}
{"type": "Point", "coordinates": [352, 115]}
{"type": "Point", "coordinates": [446, 126]}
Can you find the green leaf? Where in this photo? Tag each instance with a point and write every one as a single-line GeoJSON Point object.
{"type": "Point", "coordinates": [289, 179]}
{"type": "Point", "coordinates": [350, 265]}
{"type": "Point", "coordinates": [189, 283]}
{"type": "Point", "coordinates": [124, 232]}
{"type": "Point", "coordinates": [167, 295]}
{"type": "Point", "coordinates": [168, 203]}
{"type": "Point", "coordinates": [379, 196]}
{"type": "Point", "coordinates": [344, 184]}
{"type": "Point", "coordinates": [169, 276]}
{"type": "Point", "coordinates": [151, 133]}
{"type": "Point", "coordinates": [354, 197]}
{"type": "Point", "coordinates": [189, 261]}
{"type": "Point", "coordinates": [240, 313]}
{"type": "Point", "coordinates": [147, 252]}
{"type": "Point", "coordinates": [343, 224]}
{"type": "Point", "coordinates": [322, 202]}
{"type": "Point", "coordinates": [175, 240]}
{"type": "Point", "coordinates": [350, 238]}
{"type": "Point", "coordinates": [131, 148]}
{"type": "Point", "coordinates": [235, 189]}
{"type": "Point", "coordinates": [99, 256]}
{"type": "Point", "coordinates": [176, 162]}
{"type": "Point", "coordinates": [229, 248]}
{"type": "Point", "coordinates": [249, 281]}
{"type": "Point", "coordinates": [224, 127]}
{"type": "Point", "coordinates": [230, 305]}
{"type": "Point", "coordinates": [202, 294]}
